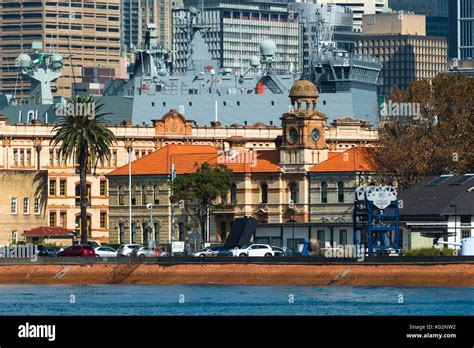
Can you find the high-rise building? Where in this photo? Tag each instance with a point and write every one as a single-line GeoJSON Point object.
{"type": "Point", "coordinates": [85, 32]}
{"type": "Point", "coordinates": [359, 8]}
{"type": "Point", "coordinates": [137, 13]}
{"type": "Point", "coordinates": [235, 30]}
{"type": "Point", "coordinates": [436, 12]}
{"type": "Point", "coordinates": [399, 42]}
{"type": "Point", "coordinates": [461, 29]}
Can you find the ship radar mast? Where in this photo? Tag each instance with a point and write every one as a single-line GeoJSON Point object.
{"type": "Point", "coordinates": [41, 69]}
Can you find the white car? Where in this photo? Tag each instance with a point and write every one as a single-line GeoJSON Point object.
{"type": "Point", "coordinates": [254, 250]}
{"type": "Point", "coordinates": [126, 249]}
{"type": "Point", "coordinates": [105, 252]}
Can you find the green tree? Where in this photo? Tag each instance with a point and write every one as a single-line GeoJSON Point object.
{"type": "Point", "coordinates": [198, 191]}
{"type": "Point", "coordinates": [440, 140]}
{"type": "Point", "coordinates": [81, 134]}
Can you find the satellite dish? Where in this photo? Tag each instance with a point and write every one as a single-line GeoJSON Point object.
{"type": "Point", "coordinates": [181, 14]}
{"type": "Point", "coordinates": [193, 10]}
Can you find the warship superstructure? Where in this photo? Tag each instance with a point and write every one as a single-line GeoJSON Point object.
{"type": "Point", "coordinates": [206, 92]}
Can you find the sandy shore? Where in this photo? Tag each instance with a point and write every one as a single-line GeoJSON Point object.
{"type": "Point", "coordinates": [312, 275]}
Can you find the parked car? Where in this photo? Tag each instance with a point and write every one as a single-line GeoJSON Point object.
{"type": "Point", "coordinates": [254, 250]}
{"type": "Point", "coordinates": [47, 251]}
{"type": "Point", "coordinates": [279, 251]}
{"type": "Point", "coordinates": [212, 251]}
{"type": "Point", "coordinates": [146, 251]}
{"type": "Point", "coordinates": [126, 249]}
{"type": "Point", "coordinates": [105, 252]}
{"type": "Point", "coordinates": [77, 250]}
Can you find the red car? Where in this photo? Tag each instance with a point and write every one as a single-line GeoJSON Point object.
{"type": "Point", "coordinates": [78, 250]}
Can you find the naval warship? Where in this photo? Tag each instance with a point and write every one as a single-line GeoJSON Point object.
{"type": "Point", "coordinates": [205, 92]}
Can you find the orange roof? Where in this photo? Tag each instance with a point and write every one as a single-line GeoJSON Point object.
{"type": "Point", "coordinates": [353, 160]}
{"type": "Point", "coordinates": [184, 158]}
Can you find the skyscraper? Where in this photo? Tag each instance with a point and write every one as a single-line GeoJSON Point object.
{"type": "Point", "coordinates": [137, 13]}
{"type": "Point", "coordinates": [461, 29]}
{"type": "Point", "coordinates": [85, 32]}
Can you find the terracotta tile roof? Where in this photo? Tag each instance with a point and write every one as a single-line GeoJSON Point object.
{"type": "Point", "coordinates": [184, 158]}
{"type": "Point", "coordinates": [49, 231]}
{"type": "Point", "coordinates": [353, 160]}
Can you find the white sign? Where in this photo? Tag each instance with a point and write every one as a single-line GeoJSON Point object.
{"type": "Point", "coordinates": [177, 247]}
{"type": "Point", "coordinates": [381, 196]}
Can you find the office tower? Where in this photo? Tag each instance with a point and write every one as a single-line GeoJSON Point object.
{"type": "Point", "coordinates": [359, 8]}
{"type": "Point", "coordinates": [137, 13]}
{"type": "Point", "coordinates": [235, 31]}
{"type": "Point", "coordinates": [436, 12]}
{"type": "Point", "coordinates": [85, 32]}
{"type": "Point", "coordinates": [461, 29]}
{"type": "Point", "coordinates": [399, 41]}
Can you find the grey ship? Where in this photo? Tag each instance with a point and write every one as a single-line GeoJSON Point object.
{"type": "Point", "coordinates": [206, 92]}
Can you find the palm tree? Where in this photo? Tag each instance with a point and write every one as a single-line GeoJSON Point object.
{"type": "Point", "coordinates": [82, 134]}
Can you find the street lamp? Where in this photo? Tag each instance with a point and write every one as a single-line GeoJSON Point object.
{"type": "Point", "coordinates": [129, 150]}
{"type": "Point", "coordinates": [152, 242]}
{"type": "Point", "coordinates": [455, 220]}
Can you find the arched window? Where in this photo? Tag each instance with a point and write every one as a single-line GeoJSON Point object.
{"type": "Point", "coordinates": [144, 199]}
{"type": "Point", "coordinates": [264, 189]}
{"type": "Point", "coordinates": [294, 192]}
{"type": "Point", "coordinates": [324, 192]}
{"type": "Point", "coordinates": [233, 193]}
{"type": "Point", "coordinates": [340, 192]}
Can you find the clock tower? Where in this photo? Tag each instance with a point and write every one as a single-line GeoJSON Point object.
{"type": "Point", "coordinates": [304, 137]}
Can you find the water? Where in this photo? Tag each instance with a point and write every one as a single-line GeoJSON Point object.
{"type": "Point", "coordinates": [232, 300]}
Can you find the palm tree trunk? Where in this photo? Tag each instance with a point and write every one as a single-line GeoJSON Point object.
{"type": "Point", "coordinates": [83, 186]}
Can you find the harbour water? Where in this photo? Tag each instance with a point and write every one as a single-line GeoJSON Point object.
{"type": "Point", "coordinates": [210, 300]}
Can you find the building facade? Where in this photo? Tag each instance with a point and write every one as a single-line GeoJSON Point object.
{"type": "Point", "coordinates": [136, 14]}
{"type": "Point", "coordinates": [359, 8]}
{"type": "Point", "coordinates": [301, 185]}
{"type": "Point", "coordinates": [22, 202]}
{"type": "Point", "coordinates": [398, 41]}
{"type": "Point", "coordinates": [27, 147]}
{"type": "Point", "coordinates": [461, 27]}
{"type": "Point", "coordinates": [235, 31]}
{"type": "Point", "coordinates": [86, 33]}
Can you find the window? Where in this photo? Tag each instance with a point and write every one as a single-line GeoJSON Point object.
{"type": "Point", "coordinates": [465, 220]}
{"type": "Point", "coordinates": [62, 187]}
{"type": "Point", "coordinates": [14, 237]}
{"type": "Point", "coordinates": [121, 196]}
{"type": "Point", "coordinates": [465, 233]}
{"type": "Point", "coordinates": [321, 237]}
{"type": "Point", "coordinates": [156, 200]}
{"type": "Point", "coordinates": [294, 192]}
{"type": "Point", "coordinates": [145, 228]}
{"type": "Point", "coordinates": [52, 219]}
{"type": "Point", "coordinates": [264, 191]}
{"type": "Point", "coordinates": [37, 206]}
{"type": "Point", "coordinates": [144, 200]}
{"type": "Point", "coordinates": [121, 233]}
{"type": "Point", "coordinates": [13, 207]}
{"type": "Point", "coordinates": [343, 237]}
{"type": "Point", "coordinates": [134, 232]}
{"type": "Point", "coordinates": [223, 231]}
{"type": "Point", "coordinates": [233, 193]}
{"type": "Point", "coordinates": [78, 195]}
{"type": "Point", "coordinates": [63, 219]}
{"type": "Point", "coordinates": [103, 219]}
{"type": "Point", "coordinates": [103, 188]}
{"type": "Point", "coordinates": [324, 192]}
{"type": "Point", "coordinates": [156, 229]}
{"type": "Point", "coordinates": [340, 192]}
{"type": "Point", "coordinates": [26, 206]}
{"type": "Point", "coordinates": [52, 187]}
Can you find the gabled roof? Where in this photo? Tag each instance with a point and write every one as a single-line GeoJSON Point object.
{"type": "Point", "coordinates": [355, 159]}
{"type": "Point", "coordinates": [434, 195]}
{"type": "Point", "coordinates": [184, 158]}
{"type": "Point", "coordinates": [51, 231]}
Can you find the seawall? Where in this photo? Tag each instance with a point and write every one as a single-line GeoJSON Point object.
{"type": "Point", "coordinates": [448, 275]}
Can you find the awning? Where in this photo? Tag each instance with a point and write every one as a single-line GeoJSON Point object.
{"type": "Point", "coordinates": [50, 232]}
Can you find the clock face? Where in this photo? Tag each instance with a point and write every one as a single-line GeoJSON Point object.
{"type": "Point", "coordinates": [293, 135]}
{"type": "Point", "coordinates": [315, 135]}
